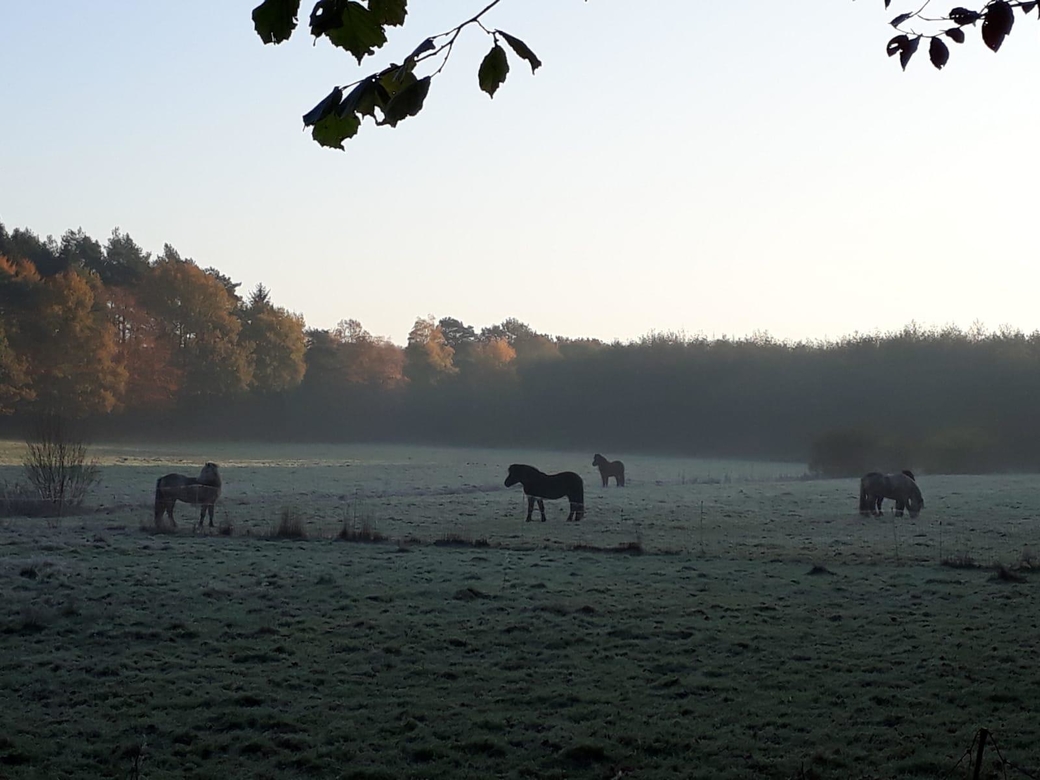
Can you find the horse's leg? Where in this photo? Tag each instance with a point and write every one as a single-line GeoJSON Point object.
{"type": "Point", "coordinates": [577, 511]}
{"type": "Point", "coordinates": [541, 508]}
{"type": "Point", "coordinates": [211, 507]}
{"type": "Point", "coordinates": [605, 477]}
{"type": "Point", "coordinates": [530, 507]}
{"type": "Point", "coordinates": [900, 506]}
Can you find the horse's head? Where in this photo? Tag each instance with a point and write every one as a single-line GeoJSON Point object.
{"type": "Point", "coordinates": [210, 474]}
{"type": "Point", "coordinates": [597, 459]}
{"type": "Point", "coordinates": [515, 474]}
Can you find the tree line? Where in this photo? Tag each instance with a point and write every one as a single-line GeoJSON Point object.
{"type": "Point", "coordinates": [156, 346]}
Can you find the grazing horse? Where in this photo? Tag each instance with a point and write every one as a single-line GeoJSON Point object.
{"type": "Point", "coordinates": [203, 490]}
{"type": "Point", "coordinates": [875, 487]}
{"type": "Point", "coordinates": [610, 468]}
{"type": "Point", "coordinates": [538, 485]}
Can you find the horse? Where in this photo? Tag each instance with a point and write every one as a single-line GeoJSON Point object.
{"type": "Point", "coordinates": [875, 487]}
{"type": "Point", "coordinates": [538, 485]}
{"type": "Point", "coordinates": [610, 468]}
{"type": "Point", "coordinates": [203, 490]}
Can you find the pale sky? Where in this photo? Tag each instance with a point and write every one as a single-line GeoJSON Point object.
{"type": "Point", "coordinates": [718, 168]}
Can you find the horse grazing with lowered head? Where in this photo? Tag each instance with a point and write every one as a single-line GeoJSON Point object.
{"type": "Point", "coordinates": [202, 491]}
{"type": "Point", "coordinates": [608, 469]}
{"type": "Point", "coordinates": [875, 487]}
{"type": "Point", "coordinates": [538, 486]}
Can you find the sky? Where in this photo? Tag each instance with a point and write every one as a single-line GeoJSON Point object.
{"type": "Point", "coordinates": [713, 168]}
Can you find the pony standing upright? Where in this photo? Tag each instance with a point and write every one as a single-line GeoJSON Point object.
{"type": "Point", "coordinates": [875, 487]}
{"type": "Point", "coordinates": [538, 486]}
{"type": "Point", "coordinates": [608, 469]}
{"type": "Point", "coordinates": [202, 491]}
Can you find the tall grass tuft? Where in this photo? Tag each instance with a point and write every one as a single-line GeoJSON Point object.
{"type": "Point", "coordinates": [366, 533]}
{"type": "Point", "coordinates": [290, 525]}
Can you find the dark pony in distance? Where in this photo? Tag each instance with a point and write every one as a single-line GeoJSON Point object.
{"type": "Point", "coordinates": [875, 487]}
{"type": "Point", "coordinates": [203, 491]}
{"type": "Point", "coordinates": [608, 469]}
{"type": "Point", "coordinates": [538, 485]}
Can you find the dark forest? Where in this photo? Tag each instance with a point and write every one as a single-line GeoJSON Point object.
{"type": "Point", "coordinates": [157, 347]}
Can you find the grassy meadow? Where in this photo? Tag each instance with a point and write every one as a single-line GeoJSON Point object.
{"type": "Point", "coordinates": [712, 619]}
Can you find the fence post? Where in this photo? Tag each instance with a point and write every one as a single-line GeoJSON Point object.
{"type": "Point", "coordinates": [983, 736]}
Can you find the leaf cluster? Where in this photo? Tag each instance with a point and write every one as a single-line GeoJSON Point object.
{"type": "Point", "coordinates": [395, 92]}
{"type": "Point", "coordinates": [997, 17]}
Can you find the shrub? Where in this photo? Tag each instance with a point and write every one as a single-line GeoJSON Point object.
{"type": "Point", "coordinates": [56, 465]}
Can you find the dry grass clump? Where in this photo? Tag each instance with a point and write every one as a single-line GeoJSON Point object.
{"type": "Point", "coordinates": [226, 527]}
{"type": "Point", "coordinates": [1028, 559]}
{"type": "Point", "coordinates": [634, 547]}
{"type": "Point", "coordinates": [1004, 574]}
{"type": "Point", "coordinates": [289, 526]}
{"type": "Point", "coordinates": [960, 561]}
{"type": "Point", "coordinates": [21, 500]}
{"type": "Point", "coordinates": [161, 525]}
{"type": "Point", "coordinates": [351, 532]}
{"type": "Point", "coordinates": [460, 540]}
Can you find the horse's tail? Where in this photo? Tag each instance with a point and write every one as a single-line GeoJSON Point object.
{"type": "Point", "coordinates": [158, 499]}
{"type": "Point", "coordinates": [863, 496]}
{"type": "Point", "coordinates": [621, 473]}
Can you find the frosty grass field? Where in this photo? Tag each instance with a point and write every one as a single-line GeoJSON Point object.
{"type": "Point", "coordinates": [520, 649]}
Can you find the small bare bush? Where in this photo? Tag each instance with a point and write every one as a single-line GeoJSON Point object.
{"type": "Point", "coordinates": [290, 525]}
{"type": "Point", "coordinates": [56, 466]}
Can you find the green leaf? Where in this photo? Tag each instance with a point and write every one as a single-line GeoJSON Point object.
{"type": "Point", "coordinates": [521, 50]}
{"type": "Point", "coordinates": [333, 130]}
{"type": "Point", "coordinates": [361, 33]}
{"type": "Point", "coordinates": [408, 102]}
{"type": "Point", "coordinates": [326, 15]}
{"type": "Point", "coordinates": [997, 24]}
{"type": "Point", "coordinates": [963, 16]}
{"type": "Point", "coordinates": [275, 20]}
{"type": "Point", "coordinates": [908, 51]}
{"type": "Point", "coordinates": [389, 12]}
{"type": "Point", "coordinates": [396, 78]}
{"type": "Point", "coordinates": [493, 70]}
{"type": "Point", "coordinates": [359, 100]}
{"type": "Point", "coordinates": [897, 44]}
{"type": "Point", "coordinates": [324, 108]}
{"type": "Point", "coordinates": [938, 53]}
{"type": "Point", "coordinates": [955, 34]}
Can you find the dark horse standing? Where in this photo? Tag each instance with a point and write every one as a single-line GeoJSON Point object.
{"type": "Point", "coordinates": [538, 485]}
{"type": "Point", "coordinates": [203, 491]}
{"type": "Point", "coordinates": [875, 487]}
{"type": "Point", "coordinates": [609, 468]}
